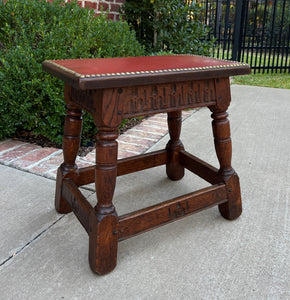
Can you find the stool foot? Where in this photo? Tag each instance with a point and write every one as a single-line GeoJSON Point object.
{"type": "Point", "coordinates": [61, 205]}
{"type": "Point", "coordinates": [232, 209]}
{"type": "Point", "coordinates": [103, 243]}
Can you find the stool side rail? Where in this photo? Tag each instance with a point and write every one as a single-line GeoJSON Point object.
{"type": "Point", "coordinates": [78, 203]}
{"type": "Point", "coordinates": [199, 167]}
{"type": "Point", "coordinates": [127, 165]}
{"type": "Point", "coordinates": [150, 160]}
{"type": "Point", "coordinates": [169, 211]}
{"type": "Point", "coordinates": [185, 204]}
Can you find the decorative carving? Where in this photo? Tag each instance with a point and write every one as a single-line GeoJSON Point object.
{"type": "Point", "coordinates": [145, 100]}
{"type": "Point", "coordinates": [142, 100]}
{"type": "Point", "coordinates": [178, 210]}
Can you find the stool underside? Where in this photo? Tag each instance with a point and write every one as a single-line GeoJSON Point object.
{"type": "Point", "coordinates": [157, 215]}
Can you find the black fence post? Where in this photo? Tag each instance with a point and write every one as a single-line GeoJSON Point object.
{"type": "Point", "coordinates": [218, 17]}
{"type": "Point", "coordinates": [236, 50]}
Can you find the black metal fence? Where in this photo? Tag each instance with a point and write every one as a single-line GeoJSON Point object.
{"type": "Point", "coordinates": [252, 31]}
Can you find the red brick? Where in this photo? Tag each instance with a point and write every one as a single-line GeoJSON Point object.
{"type": "Point", "coordinates": [111, 16]}
{"type": "Point", "coordinates": [8, 144]}
{"type": "Point", "coordinates": [133, 148]}
{"type": "Point", "coordinates": [92, 5]}
{"type": "Point", "coordinates": [91, 157]}
{"type": "Point", "coordinates": [157, 124]}
{"type": "Point", "coordinates": [114, 8]}
{"type": "Point", "coordinates": [34, 157]}
{"type": "Point", "coordinates": [104, 5]}
{"type": "Point", "coordinates": [158, 118]}
{"type": "Point", "coordinates": [152, 129]}
{"type": "Point", "coordinates": [141, 133]}
{"type": "Point", "coordinates": [18, 152]}
{"type": "Point", "coordinates": [82, 164]}
{"type": "Point", "coordinates": [51, 164]}
{"type": "Point", "coordinates": [124, 154]}
{"type": "Point", "coordinates": [135, 140]}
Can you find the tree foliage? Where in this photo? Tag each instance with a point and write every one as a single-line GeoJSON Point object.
{"type": "Point", "coordinates": [168, 25]}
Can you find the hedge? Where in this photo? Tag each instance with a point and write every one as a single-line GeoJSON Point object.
{"type": "Point", "coordinates": [33, 31]}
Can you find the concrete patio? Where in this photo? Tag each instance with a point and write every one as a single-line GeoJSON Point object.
{"type": "Point", "coordinates": [44, 255]}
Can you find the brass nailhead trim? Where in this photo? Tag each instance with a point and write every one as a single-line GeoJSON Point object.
{"type": "Point", "coordinates": [142, 72]}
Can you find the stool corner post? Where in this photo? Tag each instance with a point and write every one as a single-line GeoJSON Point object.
{"type": "Point", "coordinates": [174, 170]}
{"type": "Point", "coordinates": [70, 146]}
{"type": "Point", "coordinates": [60, 204]}
{"type": "Point", "coordinates": [232, 209]}
{"type": "Point", "coordinates": [103, 220]}
{"type": "Point", "coordinates": [103, 242]}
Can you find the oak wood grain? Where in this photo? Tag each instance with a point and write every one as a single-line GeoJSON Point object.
{"type": "Point", "coordinates": [171, 210]}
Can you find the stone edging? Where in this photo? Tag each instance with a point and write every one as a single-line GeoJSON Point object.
{"type": "Point", "coordinates": [45, 161]}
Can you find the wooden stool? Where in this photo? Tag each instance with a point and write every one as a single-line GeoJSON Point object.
{"type": "Point", "coordinates": [112, 89]}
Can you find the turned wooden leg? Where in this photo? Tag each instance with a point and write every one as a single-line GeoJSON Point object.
{"type": "Point", "coordinates": [222, 138]}
{"type": "Point", "coordinates": [174, 170]}
{"type": "Point", "coordinates": [71, 143]}
{"type": "Point", "coordinates": [104, 222]}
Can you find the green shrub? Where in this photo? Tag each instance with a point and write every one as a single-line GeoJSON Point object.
{"type": "Point", "coordinates": [168, 25]}
{"type": "Point", "coordinates": [33, 31]}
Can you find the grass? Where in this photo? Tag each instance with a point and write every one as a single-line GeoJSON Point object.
{"type": "Point", "coordinates": [273, 80]}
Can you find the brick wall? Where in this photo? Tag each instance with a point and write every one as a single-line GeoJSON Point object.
{"type": "Point", "coordinates": [111, 5]}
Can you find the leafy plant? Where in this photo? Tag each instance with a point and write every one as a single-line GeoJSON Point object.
{"type": "Point", "coordinates": [33, 31]}
{"type": "Point", "coordinates": [168, 25]}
